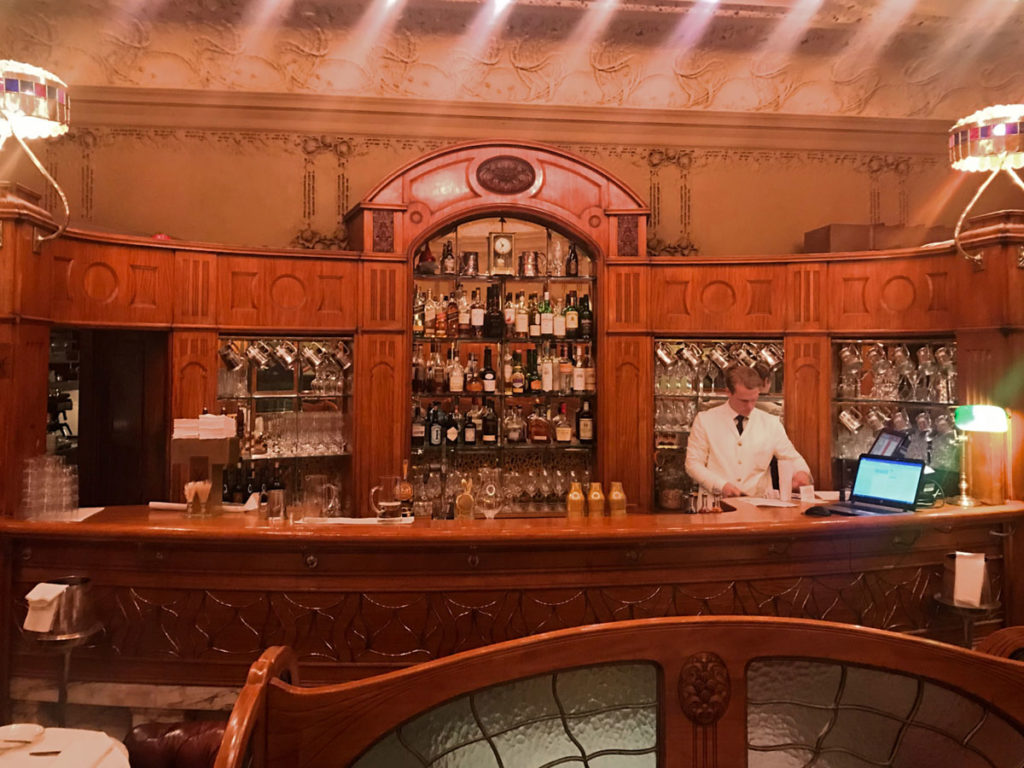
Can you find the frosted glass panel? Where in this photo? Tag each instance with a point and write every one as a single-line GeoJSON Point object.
{"type": "Point", "coordinates": [603, 716]}
{"type": "Point", "coordinates": [833, 715]}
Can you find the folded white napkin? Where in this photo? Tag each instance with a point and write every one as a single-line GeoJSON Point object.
{"type": "Point", "coordinates": [968, 578]}
{"type": "Point", "coordinates": [42, 606]}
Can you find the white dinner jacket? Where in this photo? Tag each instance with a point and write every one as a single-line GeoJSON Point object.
{"type": "Point", "coordinates": [717, 454]}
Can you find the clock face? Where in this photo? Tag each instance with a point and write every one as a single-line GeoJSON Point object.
{"type": "Point", "coordinates": [502, 245]}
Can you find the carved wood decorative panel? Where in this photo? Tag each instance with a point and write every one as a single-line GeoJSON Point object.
{"type": "Point", "coordinates": [112, 284]}
{"type": "Point", "coordinates": [193, 373]}
{"type": "Point", "coordinates": [287, 294]}
{"type": "Point", "coordinates": [627, 237]}
{"type": "Point", "coordinates": [807, 385]}
{"type": "Point", "coordinates": [904, 294]}
{"type": "Point", "coordinates": [195, 275]}
{"type": "Point", "coordinates": [805, 297]}
{"type": "Point", "coordinates": [628, 299]}
{"type": "Point", "coordinates": [383, 231]}
{"type": "Point", "coordinates": [625, 424]}
{"type": "Point", "coordinates": [384, 296]}
{"type": "Point", "coordinates": [718, 299]}
{"type": "Point", "coordinates": [381, 420]}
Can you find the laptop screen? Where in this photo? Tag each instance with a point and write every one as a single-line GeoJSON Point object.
{"type": "Point", "coordinates": [887, 481]}
{"type": "Point", "coordinates": [889, 442]}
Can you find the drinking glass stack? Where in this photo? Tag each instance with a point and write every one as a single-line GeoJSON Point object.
{"type": "Point", "coordinates": [49, 489]}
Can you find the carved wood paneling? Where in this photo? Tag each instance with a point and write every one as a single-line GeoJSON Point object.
{"type": "Point", "coordinates": [807, 396]}
{"type": "Point", "coordinates": [627, 240]}
{"type": "Point", "coordinates": [383, 231]}
{"type": "Point", "coordinates": [718, 299]}
{"type": "Point", "coordinates": [804, 297]}
{"type": "Point", "coordinates": [287, 294]}
{"type": "Point", "coordinates": [111, 284]}
{"type": "Point", "coordinates": [627, 299]}
{"type": "Point", "coordinates": [384, 294]}
{"type": "Point", "coordinates": [899, 294]}
{"type": "Point", "coordinates": [195, 276]}
{"type": "Point", "coordinates": [382, 389]}
{"type": "Point", "coordinates": [193, 373]}
{"type": "Point", "coordinates": [626, 418]}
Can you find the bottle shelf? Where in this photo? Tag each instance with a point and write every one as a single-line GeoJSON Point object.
{"type": "Point", "coordinates": [284, 456]}
{"type": "Point", "coordinates": [498, 279]}
{"type": "Point", "coordinates": [574, 447]}
{"type": "Point", "coordinates": [543, 396]}
{"type": "Point", "coordinates": [773, 397]}
{"type": "Point", "coordinates": [290, 395]}
{"type": "Point", "coordinates": [417, 337]}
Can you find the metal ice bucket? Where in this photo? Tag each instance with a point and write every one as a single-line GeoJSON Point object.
{"type": "Point", "coordinates": [75, 617]}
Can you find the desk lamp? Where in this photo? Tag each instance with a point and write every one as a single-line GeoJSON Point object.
{"type": "Point", "coordinates": [992, 139]}
{"type": "Point", "coordinates": [34, 104]}
{"type": "Point", "coordinates": [976, 418]}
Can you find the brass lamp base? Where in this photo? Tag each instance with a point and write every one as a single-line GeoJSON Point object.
{"type": "Point", "coordinates": [963, 500]}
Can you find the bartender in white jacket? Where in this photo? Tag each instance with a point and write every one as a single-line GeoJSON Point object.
{"type": "Point", "coordinates": [731, 446]}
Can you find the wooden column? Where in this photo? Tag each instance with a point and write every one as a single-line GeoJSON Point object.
{"type": "Point", "coordinates": [807, 392]}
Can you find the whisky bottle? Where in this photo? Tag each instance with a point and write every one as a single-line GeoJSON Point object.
{"type": "Point", "coordinates": [487, 375]}
{"type": "Point", "coordinates": [453, 427]}
{"type": "Point", "coordinates": [559, 319]}
{"type": "Point", "coordinates": [534, 311]}
{"type": "Point", "coordinates": [579, 375]}
{"type": "Point", "coordinates": [518, 377]}
{"type": "Point", "coordinates": [589, 372]}
{"type": "Point", "coordinates": [586, 318]}
{"type": "Point", "coordinates": [469, 427]}
{"type": "Point", "coordinates": [465, 315]}
{"type": "Point", "coordinates": [564, 370]}
{"type": "Point", "coordinates": [449, 266]}
{"type": "Point", "coordinates": [515, 427]}
{"type": "Point", "coordinates": [429, 315]}
{"type": "Point", "coordinates": [477, 315]}
{"type": "Point", "coordinates": [506, 372]}
{"type": "Point", "coordinates": [441, 319]}
{"type": "Point", "coordinates": [473, 381]}
{"type": "Point", "coordinates": [547, 370]}
{"type": "Point", "coordinates": [419, 427]}
{"type": "Point", "coordinates": [522, 326]}
{"type": "Point", "coordinates": [494, 318]}
{"type": "Point", "coordinates": [456, 373]}
{"type": "Point", "coordinates": [572, 262]}
{"type": "Point", "coordinates": [419, 370]}
{"type": "Point", "coordinates": [585, 423]}
{"type": "Point", "coordinates": [547, 316]}
{"type": "Point", "coordinates": [452, 316]}
{"type": "Point", "coordinates": [509, 315]}
{"type": "Point", "coordinates": [489, 433]}
{"type": "Point", "coordinates": [563, 428]}
{"type": "Point", "coordinates": [572, 316]}
{"type": "Point", "coordinates": [537, 427]}
{"type": "Point", "coordinates": [533, 382]}
{"type": "Point", "coordinates": [418, 309]}
{"type": "Point", "coordinates": [438, 377]}
{"type": "Point", "coordinates": [435, 425]}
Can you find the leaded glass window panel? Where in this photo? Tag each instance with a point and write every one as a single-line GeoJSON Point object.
{"type": "Point", "coordinates": [827, 714]}
{"type": "Point", "coordinates": [602, 716]}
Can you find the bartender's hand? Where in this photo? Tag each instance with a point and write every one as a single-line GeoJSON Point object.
{"type": "Point", "coordinates": [731, 490]}
{"type": "Point", "coordinates": [801, 478]}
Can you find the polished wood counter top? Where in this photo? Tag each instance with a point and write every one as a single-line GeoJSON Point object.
{"type": "Point", "coordinates": [747, 520]}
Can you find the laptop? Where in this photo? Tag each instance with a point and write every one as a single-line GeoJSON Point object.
{"type": "Point", "coordinates": [883, 486]}
{"type": "Point", "coordinates": [890, 442]}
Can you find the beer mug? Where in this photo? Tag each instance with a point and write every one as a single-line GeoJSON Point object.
{"type": "Point", "coordinates": [742, 355]}
{"type": "Point", "coordinates": [719, 355]}
{"type": "Point", "coordinates": [689, 354]}
{"type": "Point", "coordinates": [901, 420]}
{"type": "Point", "coordinates": [876, 419]}
{"type": "Point", "coordinates": [313, 352]}
{"type": "Point", "coordinates": [770, 355]}
{"type": "Point", "coordinates": [923, 422]}
{"type": "Point", "coordinates": [342, 356]}
{"type": "Point", "coordinates": [851, 418]}
{"type": "Point", "coordinates": [230, 357]}
{"type": "Point", "coordinates": [849, 357]}
{"type": "Point", "coordinates": [528, 264]}
{"type": "Point", "coordinates": [259, 353]}
{"type": "Point", "coordinates": [900, 356]}
{"type": "Point", "coordinates": [385, 499]}
{"type": "Point", "coordinates": [875, 357]}
{"type": "Point", "coordinates": [470, 262]}
{"type": "Point", "coordinates": [286, 353]}
{"type": "Point", "coordinates": [665, 357]}
{"type": "Point", "coordinates": [945, 357]}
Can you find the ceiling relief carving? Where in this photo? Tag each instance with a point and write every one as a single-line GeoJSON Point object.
{"type": "Point", "coordinates": [942, 59]}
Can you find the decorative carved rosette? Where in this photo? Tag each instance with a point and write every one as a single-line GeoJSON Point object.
{"type": "Point", "coordinates": [506, 175]}
{"type": "Point", "coordinates": [704, 688]}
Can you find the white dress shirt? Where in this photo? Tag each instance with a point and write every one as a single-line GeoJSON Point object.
{"type": "Point", "coordinates": [717, 454]}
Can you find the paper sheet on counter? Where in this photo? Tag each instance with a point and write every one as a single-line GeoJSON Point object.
{"type": "Point", "coordinates": [760, 502]}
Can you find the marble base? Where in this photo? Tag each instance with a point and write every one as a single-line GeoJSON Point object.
{"type": "Point", "coordinates": [116, 708]}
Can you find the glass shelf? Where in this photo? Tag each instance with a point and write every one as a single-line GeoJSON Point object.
{"type": "Point", "coordinates": [493, 279]}
{"type": "Point", "coordinates": [424, 450]}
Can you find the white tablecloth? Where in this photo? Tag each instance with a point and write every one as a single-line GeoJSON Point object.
{"type": "Point", "coordinates": [75, 748]}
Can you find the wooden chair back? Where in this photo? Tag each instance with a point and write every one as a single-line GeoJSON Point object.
{"type": "Point", "coordinates": [705, 691]}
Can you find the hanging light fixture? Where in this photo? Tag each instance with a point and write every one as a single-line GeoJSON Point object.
{"type": "Point", "coordinates": [34, 104]}
{"type": "Point", "coordinates": [992, 139]}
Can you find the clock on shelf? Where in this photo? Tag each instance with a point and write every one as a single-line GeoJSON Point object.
{"type": "Point", "coordinates": [502, 251]}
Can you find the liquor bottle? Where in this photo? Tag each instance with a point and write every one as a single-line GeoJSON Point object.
{"type": "Point", "coordinates": [589, 372]}
{"type": "Point", "coordinates": [506, 372]}
{"type": "Point", "coordinates": [469, 427]}
{"type": "Point", "coordinates": [419, 370]}
{"type": "Point", "coordinates": [572, 262]}
{"type": "Point", "coordinates": [547, 370]}
{"type": "Point", "coordinates": [534, 312]}
{"type": "Point", "coordinates": [572, 316]}
{"type": "Point", "coordinates": [585, 423]}
{"type": "Point", "coordinates": [476, 414]}
{"type": "Point", "coordinates": [564, 371]}
{"type": "Point", "coordinates": [238, 489]}
{"type": "Point", "coordinates": [429, 316]}
{"type": "Point", "coordinates": [465, 315]}
{"type": "Point", "coordinates": [532, 375]}
{"type": "Point", "coordinates": [487, 375]}
{"type": "Point", "coordinates": [547, 315]}
{"type": "Point", "coordinates": [438, 377]}
{"type": "Point", "coordinates": [418, 319]}
{"type": "Point", "coordinates": [441, 319]}
{"type": "Point", "coordinates": [453, 427]}
{"type": "Point", "coordinates": [452, 316]}
{"type": "Point", "coordinates": [579, 375]}
{"type": "Point", "coordinates": [518, 377]}
{"type": "Point", "coordinates": [537, 427]}
{"type": "Point", "coordinates": [276, 493]}
{"type": "Point", "coordinates": [473, 381]}
{"type": "Point", "coordinates": [494, 318]}
{"type": "Point", "coordinates": [405, 491]}
{"type": "Point", "coordinates": [225, 491]}
{"type": "Point", "coordinates": [509, 313]}
{"type": "Point", "coordinates": [477, 315]}
{"type": "Point", "coordinates": [586, 318]}
{"type": "Point", "coordinates": [522, 326]}
{"type": "Point", "coordinates": [419, 426]}
{"type": "Point", "coordinates": [435, 425]}
{"type": "Point", "coordinates": [456, 373]}
{"type": "Point", "coordinates": [489, 433]}
{"type": "Point", "coordinates": [515, 427]}
{"type": "Point", "coordinates": [563, 427]}
{"type": "Point", "coordinates": [449, 266]}
{"type": "Point", "coordinates": [559, 319]}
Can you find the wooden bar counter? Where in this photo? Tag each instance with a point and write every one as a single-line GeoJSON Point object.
{"type": "Point", "coordinates": [195, 601]}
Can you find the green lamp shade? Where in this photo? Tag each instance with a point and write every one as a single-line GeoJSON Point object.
{"type": "Point", "coordinates": [981, 418]}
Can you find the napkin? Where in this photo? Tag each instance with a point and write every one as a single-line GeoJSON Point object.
{"type": "Point", "coordinates": [968, 577]}
{"type": "Point", "coordinates": [42, 606]}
